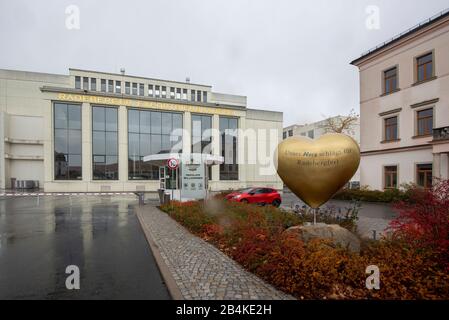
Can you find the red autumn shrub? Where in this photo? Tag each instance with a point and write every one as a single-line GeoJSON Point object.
{"type": "Point", "coordinates": [423, 221]}
{"type": "Point", "coordinates": [254, 237]}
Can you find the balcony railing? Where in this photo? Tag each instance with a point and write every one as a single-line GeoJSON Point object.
{"type": "Point", "coordinates": [441, 134]}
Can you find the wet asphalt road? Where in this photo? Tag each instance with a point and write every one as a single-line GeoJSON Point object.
{"type": "Point", "coordinates": [100, 235]}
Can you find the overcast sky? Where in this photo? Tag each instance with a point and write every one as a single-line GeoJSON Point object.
{"type": "Point", "coordinates": [291, 56]}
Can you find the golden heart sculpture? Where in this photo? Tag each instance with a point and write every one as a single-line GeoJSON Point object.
{"type": "Point", "coordinates": [315, 170]}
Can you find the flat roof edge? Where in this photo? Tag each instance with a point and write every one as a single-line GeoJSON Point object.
{"type": "Point", "coordinates": [140, 77]}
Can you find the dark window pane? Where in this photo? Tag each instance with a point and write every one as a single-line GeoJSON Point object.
{"type": "Point", "coordinates": [111, 143]}
{"type": "Point", "coordinates": [145, 122]}
{"type": "Point", "coordinates": [100, 159]}
{"type": "Point", "coordinates": [156, 144]}
{"type": "Point", "coordinates": [111, 119]}
{"type": "Point", "coordinates": [133, 121]}
{"type": "Point", "coordinates": [98, 118]}
{"type": "Point", "coordinates": [156, 122]}
{"type": "Point", "coordinates": [75, 167]}
{"type": "Point", "coordinates": [77, 82]}
{"type": "Point", "coordinates": [166, 123]}
{"type": "Point", "coordinates": [165, 144]}
{"type": "Point", "coordinates": [61, 141]}
{"type": "Point", "coordinates": [111, 168]}
{"type": "Point", "coordinates": [61, 166]}
{"type": "Point", "coordinates": [74, 113]}
{"type": "Point", "coordinates": [421, 73]}
{"type": "Point", "coordinates": [74, 141]}
{"type": "Point", "coordinates": [228, 146]}
{"type": "Point", "coordinates": [98, 143]}
{"type": "Point", "coordinates": [133, 145]}
{"type": "Point", "coordinates": [429, 71]}
{"type": "Point", "coordinates": [93, 84]}
{"type": "Point", "coordinates": [61, 117]}
{"type": "Point", "coordinates": [206, 125]}
{"type": "Point", "coordinates": [177, 121]}
{"type": "Point", "coordinates": [145, 143]}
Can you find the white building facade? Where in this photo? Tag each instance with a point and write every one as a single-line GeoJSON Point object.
{"type": "Point", "coordinates": [404, 107]}
{"type": "Point", "coordinates": [89, 131]}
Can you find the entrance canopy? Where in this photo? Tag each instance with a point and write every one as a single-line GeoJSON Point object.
{"type": "Point", "coordinates": [161, 159]}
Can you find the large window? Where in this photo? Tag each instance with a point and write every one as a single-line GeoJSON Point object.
{"type": "Point", "coordinates": [141, 89]}
{"type": "Point", "coordinates": [85, 83]}
{"type": "Point", "coordinates": [93, 84]}
{"type": "Point", "coordinates": [151, 132]}
{"type": "Point", "coordinates": [391, 177]}
{"type": "Point", "coordinates": [391, 129]}
{"type": "Point", "coordinates": [77, 82]}
{"type": "Point", "coordinates": [201, 134]}
{"type": "Point", "coordinates": [104, 143]}
{"type": "Point", "coordinates": [67, 147]}
{"type": "Point", "coordinates": [127, 87]}
{"type": "Point", "coordinates": [229, 170]}
{"type": "Point", "coordinates": [424, 67]}
{"type": "Point", "coordinates": [424, 120]}
{"type": "Point", "coordinates": [390, 80]}
{"type": "Point", "coordinates": [424, 175]}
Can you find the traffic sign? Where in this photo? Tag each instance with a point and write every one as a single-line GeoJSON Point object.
{"type": "Point", "coordinates": [173, 163]}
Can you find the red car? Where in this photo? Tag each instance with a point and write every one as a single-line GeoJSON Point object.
{"type": "Point", "coordinates": [260, 196]}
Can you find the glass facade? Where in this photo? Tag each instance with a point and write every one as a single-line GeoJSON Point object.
{"type": "Point", "coordinates": [201, 134]}
{"type": "Point", "coordinates": [151, 132]}
{"type": "Point", "coordinates": [104, 143]}
{"type": "Point", "coordinates": [67, 141]}
{"type": "Point", "coordinates": [229, 170]}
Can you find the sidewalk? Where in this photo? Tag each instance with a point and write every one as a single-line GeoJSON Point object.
{"type": "Point", "coordinates": [195, 269]}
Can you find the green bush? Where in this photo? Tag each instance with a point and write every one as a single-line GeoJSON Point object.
{"type": "Point", "coordinates": [387, 196]}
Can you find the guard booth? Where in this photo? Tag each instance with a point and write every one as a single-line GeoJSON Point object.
{"type": "Point", "coordinates": [184, 177]}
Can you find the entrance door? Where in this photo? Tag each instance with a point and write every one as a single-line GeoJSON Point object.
{"type": "Point", "coordinates": [162, 177]}
{"type": "Point", "coordinates": [168, 178]}
{"type": "Point", "coordinates": [171, 179]}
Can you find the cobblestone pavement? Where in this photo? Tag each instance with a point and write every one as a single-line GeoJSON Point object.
{"type": "Point", "coordinates": [200, 270]}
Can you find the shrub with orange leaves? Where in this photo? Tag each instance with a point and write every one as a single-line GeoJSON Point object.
{"type": "Point", "coordinates": [254, 237]}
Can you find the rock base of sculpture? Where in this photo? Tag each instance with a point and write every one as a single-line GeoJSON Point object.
{"type": "Point", "coordinates": [338, 235]}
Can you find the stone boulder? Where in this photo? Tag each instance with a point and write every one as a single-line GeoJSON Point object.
{"type": "Point", "coordinates": [338, 235]}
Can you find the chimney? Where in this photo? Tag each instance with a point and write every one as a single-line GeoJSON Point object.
{"type": "Point", "coordinates": [188, 79]}
{"type": "Point", "coordinates": [122, 71]}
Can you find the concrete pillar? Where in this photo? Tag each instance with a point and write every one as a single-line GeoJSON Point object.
{"type": "Point", "coordinates": [216, 145]}
{"type": "Point", "coordinates": [86, 134]}
{"type": "Point", "coordinates": [241, 149]}
{"type": "Point", "coordinates": [48, 137]}
{"type": "Point", "coordinates": [123, 145]}
{"type": "Point", "coordinates": [187, 133]}
{"type": "Point", "coordinates": [447, 166]}
{"type": "Point", "coordinates": [436, 168]}
{"type": "Point", "coordinates": [2, 151]}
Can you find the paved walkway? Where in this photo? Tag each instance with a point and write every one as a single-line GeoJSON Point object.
{"type": "Point", "coordinates": [200, 270]}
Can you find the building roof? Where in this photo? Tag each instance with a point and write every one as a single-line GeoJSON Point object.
{"type": "Point", "coordinates": [139, 77]}
{"type": "Point", "coordinates": [439, 16]}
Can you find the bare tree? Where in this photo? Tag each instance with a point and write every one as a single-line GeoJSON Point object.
{"type": "Point", "coordinates": [341, 124]}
